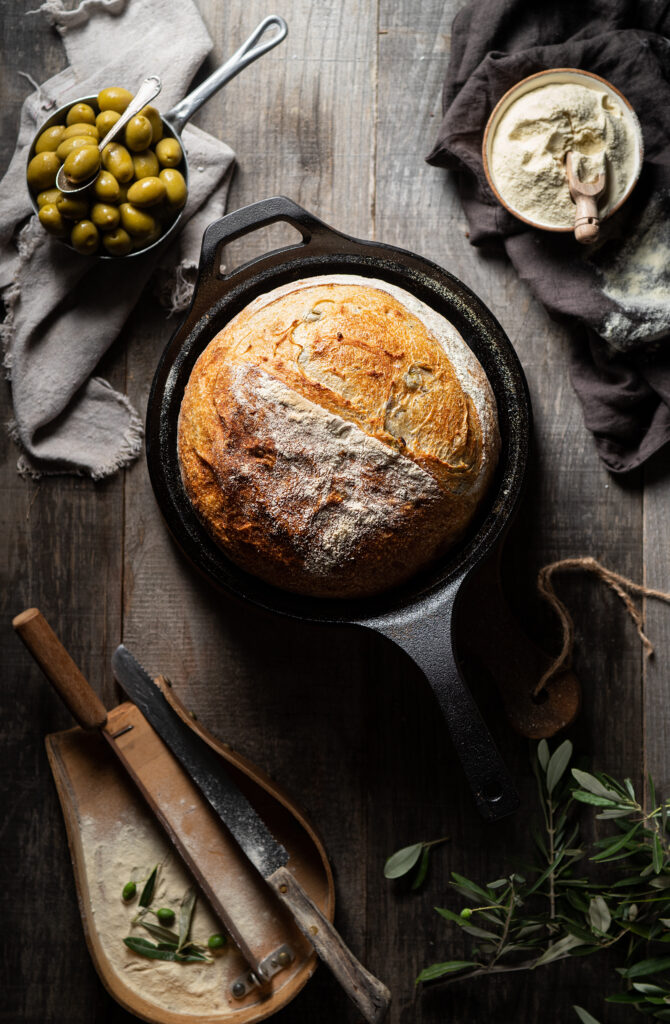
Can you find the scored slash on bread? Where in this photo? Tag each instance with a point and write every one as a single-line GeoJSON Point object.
{"type": "Point", "coordinates": [336, 436]}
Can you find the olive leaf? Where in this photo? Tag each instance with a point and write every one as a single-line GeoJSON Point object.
{"type": "Point", "coordinates": [599, 916]}
{"type": "Point", "coordinates": [154, 952]}
{"type": "Point", "coordinates": [420, 876]}
{"type": "Point", "coordinates": [186, 908]}
{"type": "Point", "coordinates": [160, 932]}
{"type": "Point", "coordinates": [448, 967]}
{"type": "Point", "coordinates": [402, 861]}
{"type": "Point", "coordinates": [592, 785]}
{"type": "Point", "coordinates": [558, 762]}
{"type": "Point", "coordinates": [584, 1016]}
{"type": "Point", "coordinates": [148, 891]}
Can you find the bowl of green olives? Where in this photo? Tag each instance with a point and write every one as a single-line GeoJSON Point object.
{"type": "Point", "coordinates": [139, 183]}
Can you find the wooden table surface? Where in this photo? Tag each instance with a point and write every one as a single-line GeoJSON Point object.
{"type": "Point", "coordinates": [339, 118]}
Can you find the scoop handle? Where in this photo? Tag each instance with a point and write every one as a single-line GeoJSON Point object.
{"type": "Point", "coordinates": [587, 219]}
{"type": "Point", "coordinates": [64, 675]}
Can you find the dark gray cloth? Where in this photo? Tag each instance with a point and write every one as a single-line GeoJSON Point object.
{"type": "Point", "coordinates": [616, 293]}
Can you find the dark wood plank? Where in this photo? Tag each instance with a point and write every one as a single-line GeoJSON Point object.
{"type": "Point", "coordinates": [572, 507]}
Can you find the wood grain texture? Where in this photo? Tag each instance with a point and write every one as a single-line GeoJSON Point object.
{"type": "Point", "coordinates": [339, 118]}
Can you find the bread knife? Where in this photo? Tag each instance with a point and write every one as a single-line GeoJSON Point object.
{"type": "Point", "coordinates": [266, 854]}
{"type": "Point", "coordinates": [194, 827]}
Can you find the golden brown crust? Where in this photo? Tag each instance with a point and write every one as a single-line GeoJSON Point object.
{"type": "Point", "coordinates": [328, 442]}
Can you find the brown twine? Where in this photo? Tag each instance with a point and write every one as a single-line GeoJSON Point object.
{"type": "Point", "coordinates": [621, 586]}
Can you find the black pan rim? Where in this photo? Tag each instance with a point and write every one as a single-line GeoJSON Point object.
{"type": "Point", "coordinates": [217, 299]}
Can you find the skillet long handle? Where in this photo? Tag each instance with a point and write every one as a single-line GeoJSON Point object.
{"type": "Point", "coordinates": [59, 668]}
{"type": "Point", "coordinates": [369, 994]}
{"type": "Point", "coordinates": [425, 633]}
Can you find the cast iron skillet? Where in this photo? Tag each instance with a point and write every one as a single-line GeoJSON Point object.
{"type": "Point", "coordinates": [417, 616]}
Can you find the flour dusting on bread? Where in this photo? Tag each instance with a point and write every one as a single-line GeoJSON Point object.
{"type": "Point", "coordinates": [331, 484]}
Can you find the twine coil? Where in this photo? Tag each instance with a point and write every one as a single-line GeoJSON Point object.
{"type": "Point", "coordinates": [622, 587]}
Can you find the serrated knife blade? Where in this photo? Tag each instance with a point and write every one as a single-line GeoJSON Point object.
{"type": "Point", "coordinates": [202, 764]}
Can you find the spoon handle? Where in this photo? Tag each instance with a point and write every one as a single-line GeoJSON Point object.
{"type": "Point", "coordinates": [148, 90]}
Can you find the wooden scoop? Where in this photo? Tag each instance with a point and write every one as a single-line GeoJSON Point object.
{"type": "Point", "coordinates": [585, 196]}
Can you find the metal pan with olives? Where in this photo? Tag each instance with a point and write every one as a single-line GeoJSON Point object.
{"type": "Point", "coordinates": [138, 192]}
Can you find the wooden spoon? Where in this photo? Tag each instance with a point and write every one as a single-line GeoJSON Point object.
{"type": "Point", "coordinates": [585, 196]}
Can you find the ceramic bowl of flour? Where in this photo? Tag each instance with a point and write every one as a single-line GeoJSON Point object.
{"type": "Point", "coordinates": [540, 120]}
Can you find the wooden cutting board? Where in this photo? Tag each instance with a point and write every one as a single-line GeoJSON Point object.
{"type": "Point", "coordinates": [113, 838]}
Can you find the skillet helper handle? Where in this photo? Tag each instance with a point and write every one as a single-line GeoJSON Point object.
{"type": "Point", "coordinates": [251, 218]}
{"type": "Point", "coordinates": [245, 55]}
{"type": "Point", "coordinates": [425, 634]}
{"type": "Point", "coordinates": [64, 675]}
{"type": "Point", "coordinates": [369, 994]}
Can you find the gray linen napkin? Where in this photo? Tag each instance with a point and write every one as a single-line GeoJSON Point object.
{"type": "Point", "coordinates": [65, 310]}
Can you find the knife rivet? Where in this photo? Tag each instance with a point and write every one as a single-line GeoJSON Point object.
{"type": "Point", "coordinates": [283, 959]}
{"type": "Point", "coordinates": [239, 989]}
{"type": "Point", "coordinates": [313, 929]}
{"type": "Point", "coordinates": [283, 888]}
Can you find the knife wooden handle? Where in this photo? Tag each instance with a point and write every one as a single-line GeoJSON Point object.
{"type": "Point", "coordinates": [59, 668]}
{"type": "Point", "coordinates": [369, 994]}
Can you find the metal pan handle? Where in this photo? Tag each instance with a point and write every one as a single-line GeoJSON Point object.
{"type": "Point", "coordinates": [247, 53]}
{"type": "Point", "coordinates": [425, 633]}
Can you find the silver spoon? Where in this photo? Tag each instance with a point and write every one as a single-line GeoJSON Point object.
{"type": "Point", "coordinates": [149, 89]}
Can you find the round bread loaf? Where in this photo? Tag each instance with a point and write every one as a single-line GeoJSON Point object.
{"type": "Point", "coordinates": [336, 436]}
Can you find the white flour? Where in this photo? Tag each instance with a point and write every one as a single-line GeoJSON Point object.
{"type": "Point", "coordinates": [130, 853]}
{"type": "Point", "coordinates": [637, 277]}
{"type": "Point", "coordinates": [537, 131]}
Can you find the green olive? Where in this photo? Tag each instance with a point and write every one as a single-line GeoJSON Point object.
{"type": "Point", "coordinates": [117, 243]}
{"type": "Point", "coordinates": [169, 153]}
{"type": "Point", "coordinates": [50, 139]}
{"type": "Point", "coordinates": [165, 915]}
{"type": "Point", "coordinates": [52, 220]}
{"type": "Point", "coordinates": [117, 160]}
{"type": "Point", "coordinates": [144, 241]}
{"type": "Point", "coordinates": [81, 113]}
{"type": "Point", "coordinates": [42, 170]}
{"type": "Point", "coordinates": [136, 222]}
{"type": "Point", "coordinates": [51, 195]}
{"type": "Point", "coordinates": [146, 164]}
{"type": "Point", "coordinates": [85, 238]}
{"type": "Point", "coordinates": [138, 133]}
{"type": "Point", "coordinates": [68, 145]}
{"type": "Point", "coordinates": [175, 187]}
{"type": "Point", "coordinates": [82, 163]}
{"type": "Point", "coordinates": [146, 192]}
{"type": "Point", "coordinates": [114, 98]}
{"type": "Point", "coordinates": [71, 207]}
{"type": "Point", "coordinates": [154, 118]}
{"type": "Point", "coordinates": [105, 217]}
{"type": "Point", "coordinates": [217, 941]}
{"type": "Point", "coordinates": [105, 121]}
{"type": "Point", "coordinates": [79, 130]}
{"type": "Point", "coordinates": [128, 891]}
{"type": "Point", "coordinates": [106, 188]}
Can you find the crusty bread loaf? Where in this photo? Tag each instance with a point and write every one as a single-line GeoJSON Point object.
{"type": "Point", "coordinates": [336, 436]}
